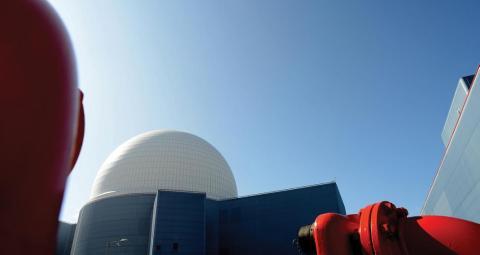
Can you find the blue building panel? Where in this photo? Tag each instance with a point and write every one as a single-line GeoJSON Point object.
{"type": "Point", "coordinates": [176, 222]}
{"type": "Point", "coordinates": [65, 236]}
{"type": "Point", "coordinates": [178, 225]}
{"type": "Point", "coordinates": [212, 227]}
{"type": "Point", "coordinates": [268, 223]}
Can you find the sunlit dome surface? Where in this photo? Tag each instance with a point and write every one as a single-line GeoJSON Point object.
{"type": "Point", "coordinates": [165, 160]}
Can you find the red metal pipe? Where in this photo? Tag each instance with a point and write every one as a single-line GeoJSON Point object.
{"type": "Point", "coordinates": [383, 229]}
{"type": "Point", "coordinates": [41, 130]}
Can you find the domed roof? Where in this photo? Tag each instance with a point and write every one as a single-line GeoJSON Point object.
{"type": "Point", "coordinates": [165, 160]}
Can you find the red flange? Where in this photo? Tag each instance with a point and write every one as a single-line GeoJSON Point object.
{"type": "Point", "coordinates": [383, 229]}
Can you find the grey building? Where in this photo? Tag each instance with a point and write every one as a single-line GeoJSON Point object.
{"type": "Point", "coordinates": [455, 190]}
{"type": "Point", "coordinates": [170, 192]}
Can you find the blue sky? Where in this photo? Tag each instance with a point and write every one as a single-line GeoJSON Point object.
{"type": "Point", "coordinates": [292, 93]}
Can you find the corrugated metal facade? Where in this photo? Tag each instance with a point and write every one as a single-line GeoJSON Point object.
{"type": "Point", "coordinates": [178, 225]}
{"type": "Point", "coordinates": [65, 235]}
{"type": "Point", "coordinates": [172, 222]}
{"type": "Point", "coordinates": [117, 225]}
{"type": "Point", "coordinates": [268, 223]}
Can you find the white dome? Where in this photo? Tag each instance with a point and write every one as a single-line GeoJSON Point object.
{"type": "Point", "coordinates": [165, 160]}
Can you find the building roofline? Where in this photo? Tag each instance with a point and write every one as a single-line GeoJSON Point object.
{"type": "Point", "coordinates": [281, 190]}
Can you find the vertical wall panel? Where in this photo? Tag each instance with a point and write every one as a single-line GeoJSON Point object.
{"type": "Point", "coordinates": [116, 225]}
{"type": "Point", "coordinates": [179, 224]}
{"type": "Point", "coordinates": [212, 227]}
{"type": "Point", "coordinates": [65, 235]}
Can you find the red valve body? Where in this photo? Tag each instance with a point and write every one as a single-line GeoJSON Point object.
{"type": "Point", "coordinates": [383, 229]}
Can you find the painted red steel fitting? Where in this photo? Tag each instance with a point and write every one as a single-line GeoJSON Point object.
{"type": "Point", "coordinates": [383, 229]}
{"type": "Point", "coordinates": [41, 124]}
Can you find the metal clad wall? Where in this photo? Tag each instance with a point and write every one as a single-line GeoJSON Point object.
{"type": "Point", "coordinates": [267, 223]}
{"type": "Point", "coordinates": [212, 227]}
{"type": "Point", "coordinates": [65, 235]}
{"type": "Point", "coordinates": [340, 205]}
{"type": "Point", "coordinates": [456, 188]}
{"type": "Point", "coordinates": [104, 223]}
{"type": "Point", "coordinates": [454, 111]}
{"type": "Point", "coordinates": [179, 224]}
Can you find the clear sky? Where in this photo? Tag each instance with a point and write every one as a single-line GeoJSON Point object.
{"type": "Point", "coordinates": [292, 93]}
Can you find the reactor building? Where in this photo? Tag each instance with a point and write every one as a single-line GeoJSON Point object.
{"type": "Point", "coordinates": [171, 192]}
